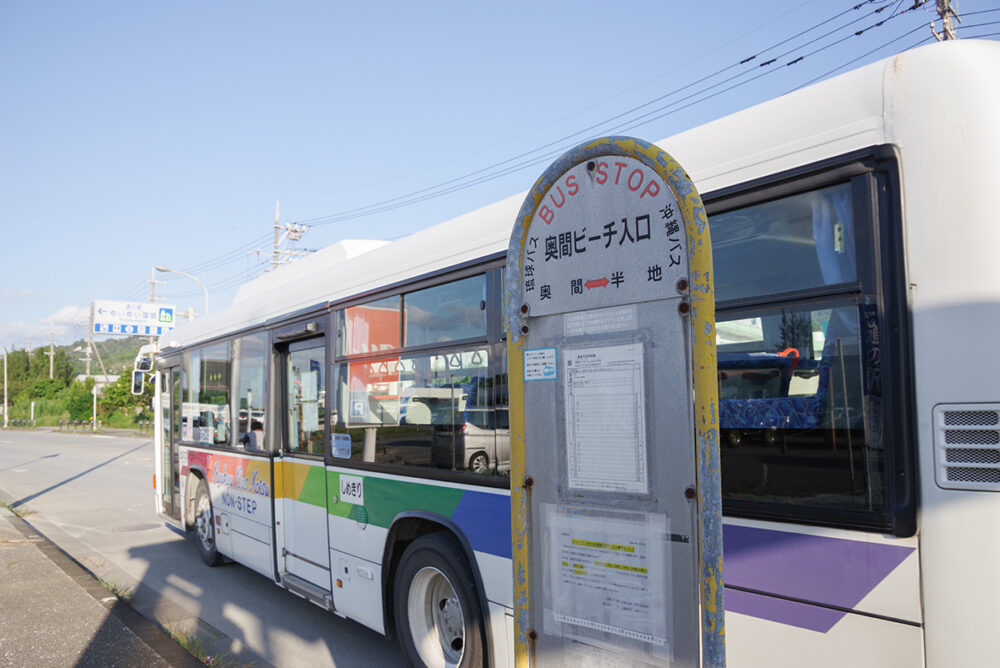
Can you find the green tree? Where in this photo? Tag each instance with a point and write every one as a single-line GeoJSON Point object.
{"type": "Point", "coordinates": [46, 388]}
{"type": "Point", "coordinates": [118, 396]}
{"type": "Point", "coordinates": [78, 400]}
{"type": "Point", "coordinates": [63, 371]}
{"type": "Point", "coordinates": [39, 364]}
{"type": "Point", "coordinates": [18, 365]}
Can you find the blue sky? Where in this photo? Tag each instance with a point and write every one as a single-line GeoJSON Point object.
{"type": "Point", "coordinates": [135, 134]}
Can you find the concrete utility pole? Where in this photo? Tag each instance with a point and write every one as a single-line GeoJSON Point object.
{"type": "Point", "coordinates": [277, 239]}
{"type": "Point", "coordinates": [90, 343]}
{"type": "Point", "coordinates": [947, 13]}
{"type": "Point", "coordinates": [152, 285]}
{"type": "Point", "coordinates": [92, 346]}
{"type": "Point", "coordinates": [152, 292]}
{"type": "Point", "coordinates": [90, 337]}
{"type": "Point", "coordinates": [291, 231]}
{"type": "Point", "coordinates": [52, 354]}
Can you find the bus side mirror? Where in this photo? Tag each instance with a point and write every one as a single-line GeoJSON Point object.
{"type": "Point", "coordinates": [138, 382]}
{"type": "Point", "coordinates": [144, 364]}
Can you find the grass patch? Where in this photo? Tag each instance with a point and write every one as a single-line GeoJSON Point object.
{"type": "Point", "coordinates": [124, 593]}
{"type": "Point", "coordinates": [197, 649]}
{"type": "Point", "coordinates": [47, 411]}
{"type": "Point", "coordinates": [17, 510]}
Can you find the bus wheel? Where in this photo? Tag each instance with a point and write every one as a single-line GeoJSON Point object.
{"type": "Point", "coordinates": [438, 617]}
{"type": "Point", "coordinates": [204, 526]}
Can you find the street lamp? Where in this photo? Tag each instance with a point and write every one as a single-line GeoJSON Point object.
{"type": "Point", "coordinates": [174, 271]}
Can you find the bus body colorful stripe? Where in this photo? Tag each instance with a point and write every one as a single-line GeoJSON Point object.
{"type": "Point", "coordinates": [835, 572]}
{"type": "Point", "coordinates": [300, 482]}
{"type": "Point", "coordinates": [483, 517]}
{"type": "Point", "coordinates": [809, 582]}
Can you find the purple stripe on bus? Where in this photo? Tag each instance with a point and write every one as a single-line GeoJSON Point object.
{"type": "Point", "coordinates": [811, 617]}
{"type": "Point", "coordinates": [830, 571]}
{"type": "Point", "coordinates": [485, 519]}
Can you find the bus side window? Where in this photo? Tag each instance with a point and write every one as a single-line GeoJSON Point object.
{"type": "Point", "coordinates": [205, 407]}
{"type": "Point", "coordinates": [430, 410]}
{"type": "Point", "coordinates": [250, 400]}
{"type": "Point", "coordinates": [792, 403]}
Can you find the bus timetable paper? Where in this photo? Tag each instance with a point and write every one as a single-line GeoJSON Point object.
{"type": "Point", "coordinates": [605, 426]}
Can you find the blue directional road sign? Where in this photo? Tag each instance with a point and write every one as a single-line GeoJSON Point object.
{"type": "Point", "coordinates": [113, 317]}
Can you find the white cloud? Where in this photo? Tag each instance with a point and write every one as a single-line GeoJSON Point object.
{"type": "Point", "coordinates": [13, 294]}
{"type": "Point", "coordinates": [66, 325]}
{"type": "Point", "coordinates": [68, 315]}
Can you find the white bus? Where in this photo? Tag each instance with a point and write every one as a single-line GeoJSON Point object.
{"type": "Point", "coordinates": [342, 428]}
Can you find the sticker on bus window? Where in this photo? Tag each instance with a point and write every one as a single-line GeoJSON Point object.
{"type": "Point", "coordinates": [341, 446]}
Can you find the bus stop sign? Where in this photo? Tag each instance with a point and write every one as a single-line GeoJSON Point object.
{"type": "Point", "coordinates": [616, 508]}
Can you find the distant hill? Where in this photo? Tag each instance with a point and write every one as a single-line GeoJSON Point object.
{"type": "Point", "coordinates": [117, 353]}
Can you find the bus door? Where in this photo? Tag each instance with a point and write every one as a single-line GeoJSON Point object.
{"type": "Point", "coordinates": [168, 484]}
{"type": "Point", "coordinates": [301, 528]}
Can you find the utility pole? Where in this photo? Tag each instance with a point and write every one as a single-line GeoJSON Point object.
{"type": "Point", "coordinates": [152, 292]}
{"type": "Point", "coordinates": [152, 285]}
{"type": "Point", "coordinates": [947, 13]}
{"type": "Point", "coordinates": [292, 232]}
{"type": "Point", "coordinates": [277, 240]}
{"type": "Point", "coordinates": [52, 354]}
{"type": "Point", "coordinates": [92, 345]}
{"type": "Point", "coordinates": [90, 342]}
{"type": "Point", "coordinates": [90, 337]}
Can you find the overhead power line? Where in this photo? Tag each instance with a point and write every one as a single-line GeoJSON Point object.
{"type": "Point", "coordinates": [228, 256]}
{"type": "Point", "coordinates": [747, 70]}
{"type": "Point", "coordinates": [379, 207]}
{"type": "Point", "coordinates": [540, 154]}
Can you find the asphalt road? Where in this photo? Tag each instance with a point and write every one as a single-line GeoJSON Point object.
{"type": "Point", "coordinates": [92, 495]}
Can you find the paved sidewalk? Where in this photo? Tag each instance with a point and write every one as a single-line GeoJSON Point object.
{"type": "Point", "coordinates": [55, 613]}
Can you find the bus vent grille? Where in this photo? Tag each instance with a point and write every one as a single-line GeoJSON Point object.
{"type": "Point", "coordinates": [960, 434]}
{"type": "Point", "coordinates": [972, 456]}
{"type": "Point", "coordinates": [971, 418]}
{"type": "Point", "coordinates": [983, 476]}
{"type": "Point", "coordinates": [972, 436]}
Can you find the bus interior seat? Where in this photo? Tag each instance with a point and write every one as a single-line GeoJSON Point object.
{"type": "Point", "coordinates": [797, 412]}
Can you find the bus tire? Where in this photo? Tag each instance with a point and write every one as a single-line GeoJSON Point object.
{"type": "Point", "coordinates": [438, 617]}
{"type": "Point", "coordinates": [204, 526]}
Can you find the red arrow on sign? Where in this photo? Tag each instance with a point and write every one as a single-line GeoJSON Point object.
{"type": "Point", "coordinates": [603, 283]}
